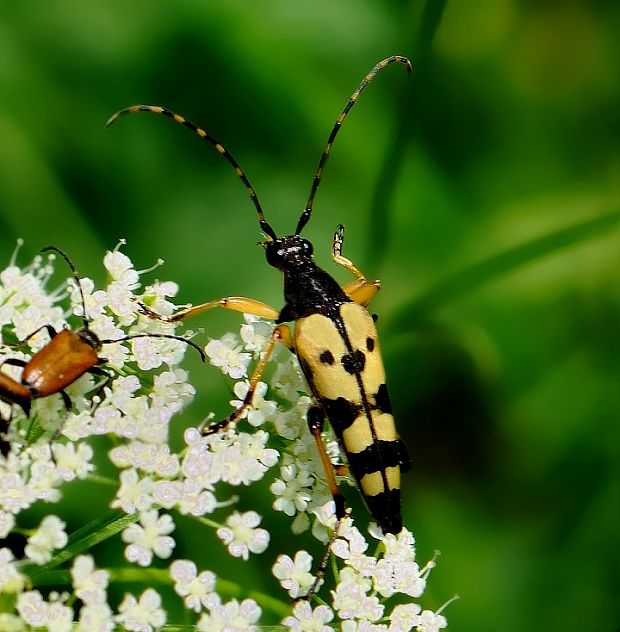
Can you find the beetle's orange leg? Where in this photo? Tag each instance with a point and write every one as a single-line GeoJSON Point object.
{"type": "Point", "coordinates": [282, 333]}
{"type": "Point", "coordinates": [361, 290]}
{"type": "Point", "coordinates": [316, 418]}
{"type": "Point", "coordinates": [235, 303]}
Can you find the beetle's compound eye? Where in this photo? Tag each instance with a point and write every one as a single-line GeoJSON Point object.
{"type": "Point", "coordinates": [306, 248]}
{"type": "Point", "coordinates": [275, 253]}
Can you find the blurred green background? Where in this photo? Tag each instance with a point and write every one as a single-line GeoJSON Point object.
{"type": "Point", "coordinates": [484, 191]}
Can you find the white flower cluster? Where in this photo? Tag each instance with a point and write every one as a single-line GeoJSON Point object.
{"type": "Point", "coordinates": [362, 583]}
{"type": "Point", "coordinates": [145, 389]}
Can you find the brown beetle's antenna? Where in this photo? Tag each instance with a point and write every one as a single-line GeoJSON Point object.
{"type": "Point", "coordinates": [158, 109]}
{"type": "Point", "coordinates": [305, 216]}
{"type": "Point", "coordinates": [171, 336]}
{"type": "Point", "coordinates": [76, 277]}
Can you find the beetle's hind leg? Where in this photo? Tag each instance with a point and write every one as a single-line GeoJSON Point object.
{"type": "Point", "coordinates": [316, 419]}
{"type": "Point", "coordinates": [361, 290]}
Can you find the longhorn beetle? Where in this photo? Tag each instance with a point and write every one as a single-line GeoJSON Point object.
{"type": "Point", "coordinates": [65, 358]}
{"type": "Point", "coordinates": [334, 338]}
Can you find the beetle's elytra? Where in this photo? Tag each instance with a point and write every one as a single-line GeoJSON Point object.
{"type": "Point", "coordinates": [334, 337]}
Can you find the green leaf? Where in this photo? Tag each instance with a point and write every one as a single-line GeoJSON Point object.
{"type": "Point", "coordinates": [493, 267]}
{"type": "Point", "coordinates": [84, 539]}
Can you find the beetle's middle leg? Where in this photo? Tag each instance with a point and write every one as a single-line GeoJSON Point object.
{"type": "Point", "coordinates": [361, 290]}
{"type": "Point", "coordinates": [281, 333]}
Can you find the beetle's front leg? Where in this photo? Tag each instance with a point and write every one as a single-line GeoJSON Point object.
{"type": "Point", "coordinates": [235, 303]}
{"type": "Point", "coordinates": [361, 290]}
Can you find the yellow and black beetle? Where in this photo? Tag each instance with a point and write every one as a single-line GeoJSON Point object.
{"type": "Point", "coordinates": [335, 339]}
{"type": "Point", "coordinates": [65, 358]}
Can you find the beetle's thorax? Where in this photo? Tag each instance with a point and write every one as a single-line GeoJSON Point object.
{"type": "Point", "coordinates": [307, 288]}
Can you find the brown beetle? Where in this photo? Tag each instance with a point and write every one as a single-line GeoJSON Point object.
{"type": "Point", "coordinates": [65, 358]}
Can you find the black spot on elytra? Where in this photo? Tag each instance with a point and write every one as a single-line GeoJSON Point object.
{"type": "Point", "coordinates": [327, 357]}
{"type": "Point", "coordinates": [382, 400]}
{"type": "Point", "coordinates": [341, 413]}
{"type": "Point", "coordinates": [370, 344]}
{"type": "Point", "coordinates": [354, 362]}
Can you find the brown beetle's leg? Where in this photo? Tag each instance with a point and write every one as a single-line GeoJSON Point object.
{"type": "Point", "coordinates": [13, 362]}
{"type": "Point", "coordinates": [50, 330]}
{"type": "Point", "coordinates": [66, 400]}
{"type": "Point", "coordinates": [361, 290]}
{"type": "Point", "coordinates": [5, 445]}
{"type": "Point", "coordinates": [101, 372]}
{"type": "Point", "coordinates": [281, 333]}
{"type": "Point", "coordinates": [235, 303]}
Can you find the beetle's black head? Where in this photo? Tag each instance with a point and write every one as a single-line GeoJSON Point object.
{"type": "Point", "coordinates": [288, 252]}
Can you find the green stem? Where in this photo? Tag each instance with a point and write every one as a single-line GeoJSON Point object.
{"type": "Point", "coordinates": [208, 522]}
{"type": "Point", "coordinates": [103, 480]}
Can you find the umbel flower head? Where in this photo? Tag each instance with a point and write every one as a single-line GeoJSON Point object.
{"type": "Point", "coordinates": [377, 582]}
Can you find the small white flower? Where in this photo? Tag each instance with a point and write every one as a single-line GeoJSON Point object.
{"type": "Point", "coordinates": [295, 576]}
{"type": "Point", "coordinates": [135, 493]}
{"type": "Point", "coordinates": [59, 618]}
{"type": "Point", "coordinates": [15, 495]}
{"type": "Point", "coordinates": [404, 617]}
{"type": "Point", "coordinates": [226, 355]}
{"type": "Point", "coordinates": [350, 598]}
{"type": "Point", "coordinates": [7, 522]}
{"type": "Point", "coordinates": [11, 580]}
{"type": "Point", "coordinates": [49, 536]}
{"type": "Point", "coordinates": [231, 617]}
{"type": "Point", "coordinates": [11, 623]}
{"type": "Point", "coordinates": [89, 583]}
{"type": "Point", "coordinates": [289, 381]}
{"type": "Point", "coordinates": [241, 535]}
{"type": "Point", "coordinates": [293, 489]}
{"type": "Point", "coordinates": [255, 333]}
{"type": "Point", "coordinates": [194, 588]}
{"type": "Point", "coordinates": [305, 619]}
{"type": "Point", "coordinates": [32, 608]}
{"type": "Point", "coordinates": [96, 618]}
{"type": "Point", "coordinates": [143, 615]}
{"type": "Point", "coordinates": [362, 626]}
{"type": "Point", "coordinates": [73, 462]}
{"type": "Point", "coordinates": [260, 410]}
{"type": "Point", "coordinates": [121, 268]}
{"type": "Point", "coordinates": [431, 622]}
{"type": "Point", "coordinates": [149, 537]}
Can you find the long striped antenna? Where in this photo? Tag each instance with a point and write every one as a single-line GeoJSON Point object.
{"type": "Point", "coordinates": [305, 216]}
{"type": "Point", "coordinates": [66, 257]}
{"type": "Point", "coordinates": [158, 109]}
